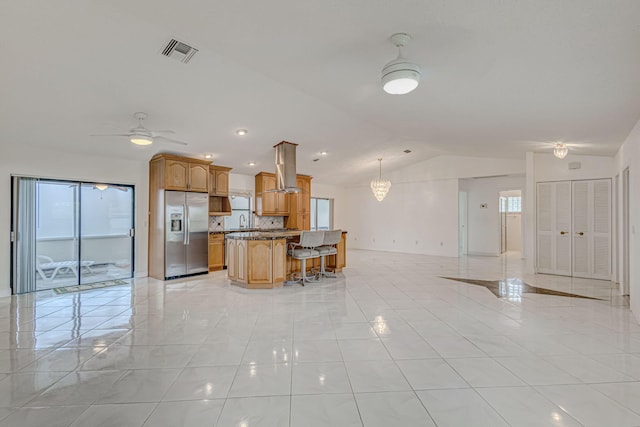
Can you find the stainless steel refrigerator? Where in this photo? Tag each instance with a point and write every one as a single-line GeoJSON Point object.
{"type": "Point", "coordinates": [186, 233]}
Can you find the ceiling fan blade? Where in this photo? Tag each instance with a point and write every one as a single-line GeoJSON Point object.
{"type": "Point", "coordinates": [109, 134]}
{"type": "Point", "coordinates": [173, 141]}
{"type": "Point", "coordinates": [161, 131]}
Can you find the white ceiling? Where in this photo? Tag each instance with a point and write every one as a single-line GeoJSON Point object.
{"type": "Point", "coordinates": [499, 78]}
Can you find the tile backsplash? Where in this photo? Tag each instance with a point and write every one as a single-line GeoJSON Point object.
{"type": "Point", "coordinates": [216, 223]}
{"type": "Point", "coordinates": [266, 222]}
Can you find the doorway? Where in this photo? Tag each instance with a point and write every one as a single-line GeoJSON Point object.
{"type": "Point", "coordinates": [510, 211]}
{"type": "Point", "coordinates": [462, 222]}
{"type": "Point", "coordinates": [70, 233]}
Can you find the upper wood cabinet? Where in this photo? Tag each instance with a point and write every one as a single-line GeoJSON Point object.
{"type": "Point", "coordinates": [268, 201]}
{"type": "Point", "coordinates": [300, 205]}
{"type": "Point", "coordinates": [180, 173]}
{"type": "Point", "coordinates": [218, 180]}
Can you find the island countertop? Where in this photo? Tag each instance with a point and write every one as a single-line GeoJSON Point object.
{"type": "Point", "coordinates": [263, 235]}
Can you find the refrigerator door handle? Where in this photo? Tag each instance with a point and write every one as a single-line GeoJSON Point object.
{"type": "Point", "coordinates": [184, 228]}
{"type": "Point", "coordinates": [188, 230]}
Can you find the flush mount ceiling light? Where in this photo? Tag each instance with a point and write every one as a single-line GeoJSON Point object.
{"type": "Point", "coordinates": [560, 150]}
{"type": "Point", "coordinates": [252, 163]}
{"type": "Point", "coordinates": [400, 76]}
{"type": "Point", "coordinates": [380, 187]}
{"type": "Point", "coordinates": [208, 156]}
{"type": "Point", "coordinates": [242, 132]}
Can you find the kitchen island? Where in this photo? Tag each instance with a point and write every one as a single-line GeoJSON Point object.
{"type": "Point", "coordinates": [258, 259]}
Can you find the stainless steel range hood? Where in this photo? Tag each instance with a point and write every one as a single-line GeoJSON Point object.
{"type": "Point", "coordinates": [286, 167]}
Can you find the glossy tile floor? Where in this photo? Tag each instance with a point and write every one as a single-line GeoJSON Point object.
{"type": "Point", "coordinates": [388, 344]}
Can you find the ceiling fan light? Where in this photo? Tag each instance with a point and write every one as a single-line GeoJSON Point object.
{"type": "Point", "coordinates": [141, 140]}
{"type": "Point", "coordinates": [101, 187]}
{"type": "Point", "coordinates": [560, 150]}
{"type": "Point", "coordinates": [400, 77]}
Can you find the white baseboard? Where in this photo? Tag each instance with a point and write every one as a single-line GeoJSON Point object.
{"type": "Point", "coordinates": [473, 253]}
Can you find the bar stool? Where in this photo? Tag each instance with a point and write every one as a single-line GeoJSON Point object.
{"type": "Point", "coordinates": [304, 250]}
{"type": "Point", "coordinates": [328, 247]}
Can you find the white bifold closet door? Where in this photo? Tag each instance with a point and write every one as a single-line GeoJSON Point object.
{"type": "Point", "coordinates": [574, 228]}
{"type": "Point", "coordinates": [554, 228]}
{"type": "Point", "coordinates": [592, 229]}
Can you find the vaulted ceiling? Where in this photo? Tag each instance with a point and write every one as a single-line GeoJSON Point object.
{"type": "Point", "coordinates": [500, 78]}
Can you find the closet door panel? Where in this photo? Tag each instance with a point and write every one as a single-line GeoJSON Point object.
{"type": "Point", "coordinates": [581, 219]}
{"type": "Point", "coordinates": [562, 230]}
{"type": "Point", "coordinates": [544, 227]}
{"type": "Point", "coordinates": [601, 230]}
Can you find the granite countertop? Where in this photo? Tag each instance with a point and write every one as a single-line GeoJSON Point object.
{"type": "Point", "coordinates": [246, 230]}
{"type": "Point", "coordinates": [263, 235]}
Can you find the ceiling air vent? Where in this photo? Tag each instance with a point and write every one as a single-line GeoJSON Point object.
{"type": "Point", "coordinates": [178, 50]}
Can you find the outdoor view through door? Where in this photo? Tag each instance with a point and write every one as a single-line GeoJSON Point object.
{"type": "Point", "coordinates": [71, 233]}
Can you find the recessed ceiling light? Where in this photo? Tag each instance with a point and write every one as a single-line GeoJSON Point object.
{"type": "Point", "coordinates": [242, 132]}
{"type": "Point", "coordinates": [208, 156]}
{"type": "Point", "coordinates": [323, 153]}
{"type": "Point", "coordinates": [252, 163]}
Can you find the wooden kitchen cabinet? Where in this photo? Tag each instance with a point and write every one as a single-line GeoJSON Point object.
{"type": "Point", "coordinates": [269, 202]}
{"type": "Point", "coordinates": [219, 204]}
{"type": "Point", "coordinates": [216, 252]}
{"type": "Point", "coordinates": [218, 180]}
{"type": "Point", "coordinates": [300, 205]}
{"type": "Point", "coordinates": [177, 173]}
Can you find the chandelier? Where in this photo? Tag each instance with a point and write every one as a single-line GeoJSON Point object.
{"type": "Point", "coordinates": [560, 150]}
{"type": "Point", "coordinates": [380, 187]}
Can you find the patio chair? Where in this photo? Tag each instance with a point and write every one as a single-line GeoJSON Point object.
{"type": "Point", "coordinates": [45, 263]}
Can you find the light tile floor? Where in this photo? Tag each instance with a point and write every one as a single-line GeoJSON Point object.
{"type": "Point", "coordinates": [387, 343]}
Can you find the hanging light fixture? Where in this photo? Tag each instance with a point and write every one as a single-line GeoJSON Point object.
{"type": "Point", "coordinates": [380, 187]}
{"type": "Point", "coordinates": [560, 150]}
{"type": "Point", "coordinates": [400, 76]}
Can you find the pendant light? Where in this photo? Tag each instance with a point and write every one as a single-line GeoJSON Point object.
{"type": "Point", "coordinates": [400, 76]}
{"type": "Point", "coordinates": [560, 150]}
{"type": "Point", "coordinates": [380, 187]}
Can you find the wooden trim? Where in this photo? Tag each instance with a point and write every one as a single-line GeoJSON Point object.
{"type": "Point", "coordinates": [179, 158]}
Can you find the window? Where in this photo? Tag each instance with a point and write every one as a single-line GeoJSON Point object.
{"type": "Point", "coordinates": [514, 204]}
{"type": "Point", "coordinates": [511, 204]}
{"type": "Point", "coordinates": [321, 214]}
{"type": "Point", "coordinates": [240, 211]}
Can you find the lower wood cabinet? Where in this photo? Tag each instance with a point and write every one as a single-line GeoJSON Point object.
{"type": "Point", "coordinates": [256, 264]}
{"type": "Point", "coordinates": [216, 252]}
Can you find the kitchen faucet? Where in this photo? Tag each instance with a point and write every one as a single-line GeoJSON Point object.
{"type": "Point", "coordinates": [243, 221]}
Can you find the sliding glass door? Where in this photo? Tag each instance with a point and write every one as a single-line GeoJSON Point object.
{"type": "Point", "coordinates": [70, 233]}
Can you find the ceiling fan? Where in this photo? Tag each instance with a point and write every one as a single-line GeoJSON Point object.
{"type": "Point", "coordinates": [140, 135]}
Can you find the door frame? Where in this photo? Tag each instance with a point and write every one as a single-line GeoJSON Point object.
{"type": "Point", "coordinates": [80, 183]}
{"type": "Point", "coordinates": [626, 236]}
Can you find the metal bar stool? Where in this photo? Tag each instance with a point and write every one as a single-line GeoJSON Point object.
{"type": "Point", "coordinates": [304, 250]}
{"type": "Point", "coordinates": [328, 247]}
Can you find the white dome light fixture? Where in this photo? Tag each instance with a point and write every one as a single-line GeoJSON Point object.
{"type": "Point", "coordinates": [400, 76]}
{"type": "Point", "coordinates": [380, 187]}
{"type": "Point", "coordinates": [560, 150]}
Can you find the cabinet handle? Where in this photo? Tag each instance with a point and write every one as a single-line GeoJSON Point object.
{"type": "Point", "coordinates": [562, 233]}
{"type": "Point", "coordinates": [580, 233]}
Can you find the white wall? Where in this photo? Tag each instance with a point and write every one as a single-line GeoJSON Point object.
{"type": "Point", "coordinates": [415, 217]}
{"type": "Point", "coordinates": [20, 160]}
{"type": "Point", "coordinates": [550, 168]}
{"type": "Point", "coordinates": [514, 232]}
{"type": "Point", "coordinates": [422, 205]}
{"type": "Point", "coordinates": [484, 223]}
{"type": "Point", "coordinates": [629, 156]}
